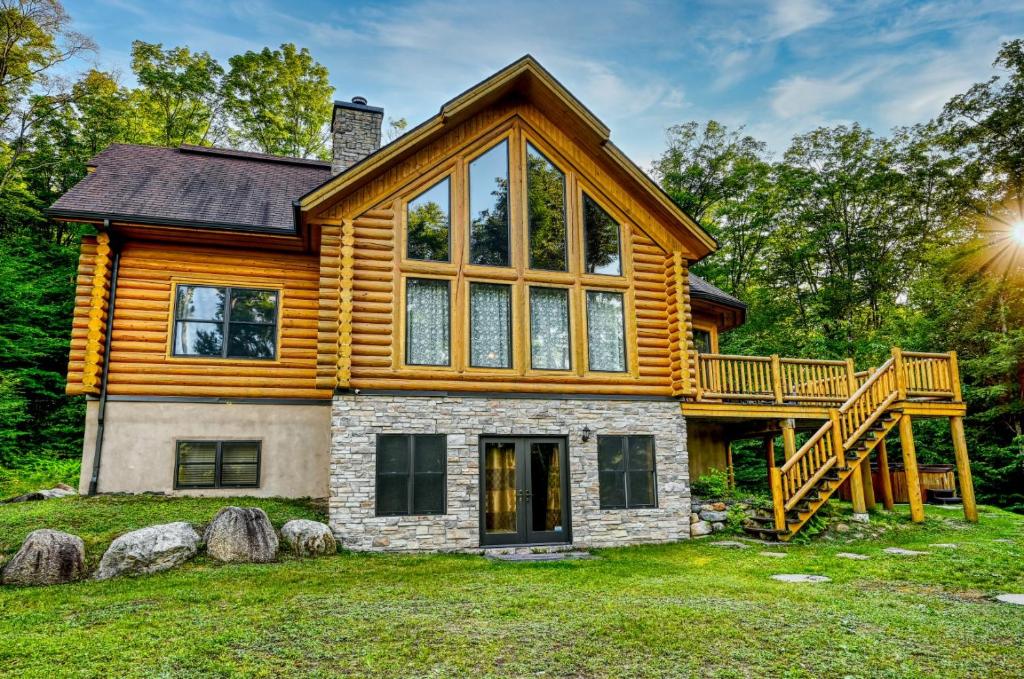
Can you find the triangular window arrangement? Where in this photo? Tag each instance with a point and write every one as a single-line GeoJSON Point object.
{"type": "Point", "coordinates": [600, 240]}
{"type": "Point", "coordinates": [428, 224]}
{"type": "Point", "coordinates": [488, 207]}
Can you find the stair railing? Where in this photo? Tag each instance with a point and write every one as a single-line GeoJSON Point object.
{"type": "Point", "coordinates": [826, 449]}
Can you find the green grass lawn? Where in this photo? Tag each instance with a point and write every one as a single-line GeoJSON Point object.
{"type": "Point", "coordinates": [669, 610]}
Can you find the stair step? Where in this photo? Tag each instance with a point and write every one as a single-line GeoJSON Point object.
{"type": "Point", "coordinates": [767, 531]}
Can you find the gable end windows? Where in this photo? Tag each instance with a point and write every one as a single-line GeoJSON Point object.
{"type": "Point", "coordinates": [225, 322]}
{"type": "Point", "coordinates": [428, 224]}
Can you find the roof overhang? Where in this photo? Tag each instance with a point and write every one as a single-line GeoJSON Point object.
{"type": "Point", "coordinates": [528, 79]}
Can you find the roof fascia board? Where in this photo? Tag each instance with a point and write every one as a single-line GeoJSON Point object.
{"type": "Point", "coordinates": [84, 216]}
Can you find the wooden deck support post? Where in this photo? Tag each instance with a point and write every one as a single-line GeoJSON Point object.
{"type": "Point", "coordinates": [883, 469]}
{"type": "Point", "coordinates": [788, 437]}
{"type": "Point", "coordinates": [963, 468]}
{"type": "Point", "coordinates": [729, 468]}
{"type": "Point", "coordinates": [775, 479]}
{"type": "Point", "coordinates": [869, 487]}
{"type": "Point", "coordinates": [769, 450]}
{"type": "Point", "coordinates": [910, 467]}
{"type": "Point", "coordinates": [860, 510]}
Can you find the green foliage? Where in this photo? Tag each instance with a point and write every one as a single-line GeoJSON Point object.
{"type": "Point", "coordinates": [37, 473]}
{"type": "Point", "coordinates": [712, 485]}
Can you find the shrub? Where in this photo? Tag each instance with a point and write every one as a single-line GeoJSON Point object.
{"type": "Point", "coordinates": [713, 485]}
{"type": "Point", "coordinates": [36, 474]}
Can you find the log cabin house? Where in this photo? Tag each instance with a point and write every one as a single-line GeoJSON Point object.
{"type": "Point", "coordinates": [484, 333]}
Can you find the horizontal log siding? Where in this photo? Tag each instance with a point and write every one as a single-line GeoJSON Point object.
{"type": "Point", "coordinates": [139, 360]}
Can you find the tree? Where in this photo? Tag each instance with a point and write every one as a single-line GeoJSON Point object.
{"type": "Point", "coordinates": [180, 93]}
{"type": "Point", "coordinates": [279, 102]}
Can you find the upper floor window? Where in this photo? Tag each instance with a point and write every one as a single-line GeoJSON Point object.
{"type": "Point", "coordinates": [427, 320]}
{"type": "Point", "coordinates": [225, 322]}
{"type": "Point", "coordinates": [488, 207]}
{"type": "Point", "coordinates": [549, 329]}
{"type": "Point", "coordinates": [428, 224]}
{"type": "Point", "coordinates": [606, 339]}
{"type": "Point", "coordinates": [545, 189]}
{"type": "Point", "coordinates": [601, 240]}
{"type": "Point", "coordinates": [490, 325]}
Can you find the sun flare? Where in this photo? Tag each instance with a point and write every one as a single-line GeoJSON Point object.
{"type": "Point", "coordinates": [1017, 232]}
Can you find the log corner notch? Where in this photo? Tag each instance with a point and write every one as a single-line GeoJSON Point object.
{"type": "Point", "coordinates": [330, 308]}
{"type": "Point", "coordinates": [680, 320]}
{"type": "Point", "coordinates": [96, 340]}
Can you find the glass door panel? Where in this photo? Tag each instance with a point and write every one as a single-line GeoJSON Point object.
{"type": "Point", "coordinates": [545, 506]}
{"type": "Point", "coordinates": [501, 516]}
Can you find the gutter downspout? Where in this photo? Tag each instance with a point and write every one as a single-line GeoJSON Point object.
{"type": "Point", "coordinates": [102, 411]}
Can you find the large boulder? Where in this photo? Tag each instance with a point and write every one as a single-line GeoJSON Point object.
{"type": "Point", "coordinates": [47, 557]}
{"type": "Point", "coordinates": [149, 550]}
{"type": "Point", "coordinates": [309, 538]}
{"type": "Point", "coordinates": [241, 534]}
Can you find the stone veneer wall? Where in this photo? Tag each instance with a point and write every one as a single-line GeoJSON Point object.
{"type": "Point", "coordinates": [356, 419]}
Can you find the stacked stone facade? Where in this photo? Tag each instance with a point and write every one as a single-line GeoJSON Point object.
{"type": "Point", "coordinates": [355, 132]}
{"type": "Point", "coordinates": [358, 418]}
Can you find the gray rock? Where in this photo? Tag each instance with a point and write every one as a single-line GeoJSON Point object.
{"type": "Point", "coordinates": [700, 528]}
{"type": "Point", "coordinates": [309, 538]}
{"type": "Point", "coordinates": [899, 551]}
{"type": "Point", "coordinates": [854, 557]}
{"type": "Point", "coordinates": [799, 577]}
{"type": "Point", "coordinates": [717, 526]}
{"type": "Point", "coordinates": [713, 516]}
{"type": "Point", "coordinates": [149, 550]}
{"type": "Point", "coordinates": [730, 544]}
{"type": "Point", "coordinates": [47, 557]}
{"type": "Point", "coordinates": [841, 528]}
{"type": "Point", "coordinates": [1015, 599]}
{"type": "Point", "coordinates": [60, 490]}
{"type": "Point", "coordinates": [861, 518]}
{"type": "Point", "coordinates": [694, 518]}
{"type": "Point", "coordinates": [774, 555]}
{"type": "Point", "coordinates": [944, 545]}
{"type": "Point", "coordinates": [241, 535]}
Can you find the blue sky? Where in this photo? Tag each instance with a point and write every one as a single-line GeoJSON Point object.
{"type": "Point", "coordinates": [779, 67]}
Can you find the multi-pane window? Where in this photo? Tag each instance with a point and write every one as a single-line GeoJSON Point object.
{"type": "Point", "coordinates": [488, 207]}
{"type": "Point", "coordinates": [545, 196]}
{"type": "Point", "coordinates": [549, 329]}
{"type": "Point", "coordinates": [601, 240]}
{"type": "Point", "coordinates": [427, 321]}
{"type": "Point", "coordinates": [606, 341]}
{"type": "Point", "coordinates": [428, 224]}
{"type": "Point", "coordinates": [217, 464]}
{"type": "Point", "coordinates": [225, 322]}
{"type": "Point", "coordinates": [411, 474]}
{"type": "Point", "coordinates": [490, 325]}
{"type": "Point", "coordinates": [626, 473]}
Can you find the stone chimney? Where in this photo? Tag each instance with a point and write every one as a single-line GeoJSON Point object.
{"type": "Point", "coordinates": [355, 131]}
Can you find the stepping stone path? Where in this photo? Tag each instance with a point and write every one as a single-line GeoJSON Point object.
{"type": "Point", "coordinates": [547, 556]}
{"type": "Point", "coordinates": [899, 551]}
{"type": "Point", "coordinates": [944, 545]}
{"type": "Point", "coordinates": [775, 555]}
{"type": "Point", "coordinates": [851, 555]}
{"type": "Point", "coordinates": [730, 544]}
{"type": "Point", "coordinates": [1003, 540]}
{"type": "Point", "coordinates": [799, 577]}
{"type": "Point", "coordinates": [1015, 599]}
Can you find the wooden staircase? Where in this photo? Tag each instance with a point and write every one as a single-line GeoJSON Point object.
{"type": "Point", "coordinates": [834, 453]}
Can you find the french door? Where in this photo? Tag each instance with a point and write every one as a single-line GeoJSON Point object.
{"type": "Point", "coordinates": [524, 491]}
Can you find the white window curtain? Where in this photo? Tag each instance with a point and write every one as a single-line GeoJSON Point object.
{"type": "Point", "coordinates": [427, 321]}
{"type": "Point", "coordinates": [605, 336]}
{"type": "Point", "coordinates": [549, 328]}
{"type": "Point", "coordinates": [489, 325]}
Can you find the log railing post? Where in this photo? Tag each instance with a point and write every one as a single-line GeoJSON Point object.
{"type": "Point", "coordinates": [777, 377]}
{"type": "Point", "coordinates": [837, 438]}
{"type": "Point", "coordinates": [954, 377]}
{"type": "Point", "coordinates": [789, 438]}
{"type": "Point", "coordinates": [901, 373]}
{"type": "Point", "coordinates": [851, 378]}
{"type": "Point", "coordinates": [698, 387]}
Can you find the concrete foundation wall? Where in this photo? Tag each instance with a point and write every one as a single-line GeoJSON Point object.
{"type": "Point", "coordinates": [140, 442]}
{"type": "Point", "coordinates": [357, 419]}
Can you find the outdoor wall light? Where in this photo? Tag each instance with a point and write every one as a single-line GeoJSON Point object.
{"type": "Point", "coordinates": [585, 434]}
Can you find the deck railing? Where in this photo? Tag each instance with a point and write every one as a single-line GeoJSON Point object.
{"type": "Point", "coordinates": [773, 379]}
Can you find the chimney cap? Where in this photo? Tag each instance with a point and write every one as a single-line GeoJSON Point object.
{"type": "Point", "coordinates": [357, 104]}
{"type": "Point", "coordinates": [359, 100]}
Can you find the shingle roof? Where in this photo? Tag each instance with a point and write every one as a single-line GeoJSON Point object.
{"type": "Point", "coordinates": [701, 289]}
{"type": "Point", "coordinates": [193, 185]}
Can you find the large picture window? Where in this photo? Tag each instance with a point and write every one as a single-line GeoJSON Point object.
{"type": "Point", "coordinates": [545, 189]}
{"type": "Point", "coordinates": [428, 322]}
{"type": "Point", "coordinates": [549, 329]}
{"type": "Point", "coordinates": [626, 472]}
{"type": "Point", "coordinates": [225, 322]}
{"type": "Point", "coordinates": [428, 224]}
{"type": "Point", "coordinates": [217, 464]}
{"type": "Point", "coordinates": [601, 240]}
{"type": "Point", "coordinates": [606, 342]}
{"type": "Point", "coordinates": [488, 207]}
{"type": "Point", "coordinates": [411, 474]}
{"type": "Point", "coordinates": [490, 325]}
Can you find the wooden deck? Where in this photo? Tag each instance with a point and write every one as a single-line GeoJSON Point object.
{"type": "Point", "coordinates": [847, 413]}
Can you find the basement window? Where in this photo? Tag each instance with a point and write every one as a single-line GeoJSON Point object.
{"type": "Point", "coordinates": [626, 472]}
{"type": "Point", "coordinates": [225, 322]}
{"type": "Point", "coordinates": [217, 464]}
{"type": "Point", "coordinates": [411, 474]}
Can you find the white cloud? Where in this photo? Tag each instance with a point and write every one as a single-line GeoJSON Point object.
{"type": "Point", "coordinates": [793, 16]}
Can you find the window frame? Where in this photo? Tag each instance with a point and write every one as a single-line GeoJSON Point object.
{"type": "Point", "coordinates": [624, 442]}
{"type": "Point", "coordinates": [570, 326]}
{"type": "Point", "coordinates": [510, 140]}
{"type": "Point", "coordinates": [229, 288]}
{"type": "Point", "coordinates": [527, 144]}
{"type": "Point", "coordinates": [410, 476]}
{"type": "Point", "coordinates": [218, 459]}
{"type": "Point", "coordinates": [406, 329]}
{"type": "Point", "coordinates": [625, 337]}
{"type": "Point", "coordinates": [587, 194]}
{"type": "Point", "coordinates": [712, 332]}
